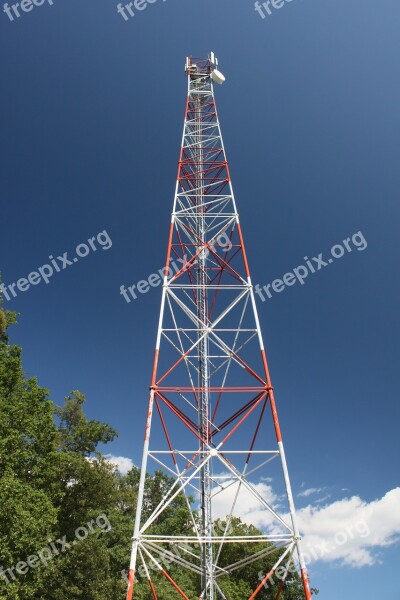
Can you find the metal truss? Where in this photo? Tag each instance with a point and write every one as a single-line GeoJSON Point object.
{"type": "Point", "coordinates": [212, 422]}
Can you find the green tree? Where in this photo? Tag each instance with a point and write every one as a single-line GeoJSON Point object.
{"type": "Point", "coordinates": [28, 457]}
{"type": "Point", "coordinates": [77, 433]}
{"type": "Point", "coordinates": [89, 488]}
{"type": "Point", "coordinates": [7, 318]}
{"type": "Point", "coordinates": [53, 480]}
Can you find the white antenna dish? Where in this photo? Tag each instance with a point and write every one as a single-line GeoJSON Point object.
{"type": "Point", "coordinates": [217, 77]}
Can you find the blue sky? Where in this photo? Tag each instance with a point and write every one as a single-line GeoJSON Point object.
{"type": "Point", "coordinates": [91, 117]}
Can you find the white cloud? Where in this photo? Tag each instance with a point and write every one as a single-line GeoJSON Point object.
{"type": "Point", "coordinates": [323, 499]}
{"type": "Point", "coordinates": [350, 531]}
{"type": "Point", "coordinates": [310, 492]}
{"type": "Point", "coordinates": [266, 479]}
{"type": "Point", "coordinates": [122, 463]}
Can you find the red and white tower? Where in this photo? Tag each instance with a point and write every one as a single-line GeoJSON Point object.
{"type": "Point", "coordinates": [212, 422]}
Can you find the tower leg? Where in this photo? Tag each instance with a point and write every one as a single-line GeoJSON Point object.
{"type": "Point", "coordinates": [135, 542]}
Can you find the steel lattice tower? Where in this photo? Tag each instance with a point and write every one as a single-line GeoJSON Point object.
{"type": "Point", "coordinates": [212, 422]}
